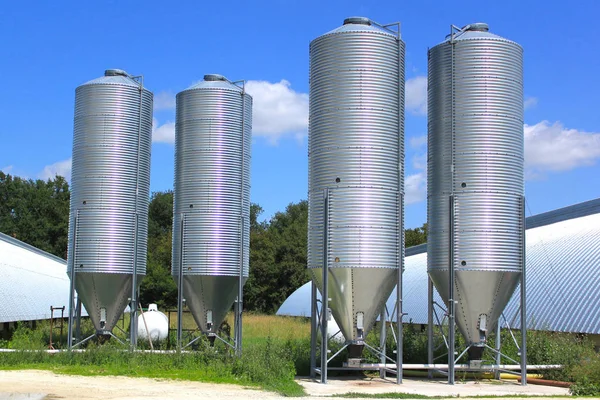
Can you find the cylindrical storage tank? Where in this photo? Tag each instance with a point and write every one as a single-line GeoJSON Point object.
{"type": "Point", "coordinates": [153, 325]}
{"type": "Point", "coordinates": [110, 183]}
{"type": "Point", "coordinates": [475, 173]}
{"type": "Point", "coordinates": [211, 222]}
{"type": "Point", "coordinates": [356, 155]}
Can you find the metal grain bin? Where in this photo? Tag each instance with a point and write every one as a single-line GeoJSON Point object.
{"type": "Point", "coordinates": [211, 223]}
{"type": "Point", "coordinates": [356, 153]}
{"type": "Point", "coordinates": [475, 162]}
{"type": "Point", "coordinates": [110, 185]}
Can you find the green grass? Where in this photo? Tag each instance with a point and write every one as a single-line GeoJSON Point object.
{"type": "Point", "coordinates": [275, 350]}
{"type": "Point", "coordinates": [271, 347]}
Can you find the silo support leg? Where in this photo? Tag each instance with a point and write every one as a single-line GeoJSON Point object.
{"type": "Point", "coordinates": [71, 311]}
{"type": "Point", "coordinates": [523, 299]}
{"type": "Point", "coordinates": [498, 354]}
{"type": "Point", "coordinates": [430, 312]}
{"type": "Point", "coordinates": [451, 304]}
{"type": "Point", "coordinates": [313, 330]}
{"type": "Point", "coordinates": [382, 340]}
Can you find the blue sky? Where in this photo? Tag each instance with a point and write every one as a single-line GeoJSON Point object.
{"type": "Point", "coordinates": [49, 48]}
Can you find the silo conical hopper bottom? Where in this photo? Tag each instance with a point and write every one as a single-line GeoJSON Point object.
{"type": "Point", "coordinates": [204, 293]}
{"type": "Point", "coordinates": [478, 293]}
{"type": "Point", "coordinates": [357, 290]}
{"type": "Point", "coordinates": [104, 296]}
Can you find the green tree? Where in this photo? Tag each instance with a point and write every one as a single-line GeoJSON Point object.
{"type": "Point", "coordinates": [277, 258]}
{"type": "Point", "coordinates": [36, 211]}
{"type": "Point", "coordinates": [158, 286]}
{"type": "Point", "coordinates": [416, 236]}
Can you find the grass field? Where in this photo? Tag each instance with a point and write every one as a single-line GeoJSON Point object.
{"type": "Point", "coordinates": [275, 350]}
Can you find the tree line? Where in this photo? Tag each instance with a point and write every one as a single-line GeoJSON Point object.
{"type": "Point", "coordinates": [37, 212]}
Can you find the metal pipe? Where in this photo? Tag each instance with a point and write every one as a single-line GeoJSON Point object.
{"type": "Point", "coordinates": [180, 284]}
{"type": "Point", "coordinates": [338, 352]}
{"type": "Point", "coordinates": [451, 313]}
{"type": "Point", "coordinates": [146, 326]}
{"type": "Point", "coordinates": [460, 367]}
{"type": "Point", "coordinates": [134, 282]}
{"type": "Point", "coordinates": [498, 344]}
{"type": "Point", "coordinates": [399, 299]}
{"type": "Point", "coordinates": [313, 329]}
{"type": "Point", "coordinates": [523, 300]}
{"type": "Point", "coordinates": [399, 316]}
{"type": "Point", "coordinates": [451, 296]}
{"type": "Point", "coordinates": [429, 323]}
{"type": "Point", "coordinates": [382, 339]}
{"type": "Point", "coordinates": [72, 286]}
{"type": "Point", "coordinates": [133, 304]}
{"type": "Point", "coordinates": [78, 319]}
{"type": "Point", "coordinates": [325, 291]}
{"type": "Point", "coordinates": [240, 299]}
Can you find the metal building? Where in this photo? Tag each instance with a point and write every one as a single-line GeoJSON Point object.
{"type": "Point", "coordinates": [475, 188]}
{"type": "Point", "coordinates": [31, 281]}
{"type": "Point", "coordinates": [211, 223]}
{"type": "Point", "coordinates": [110, 183]}
{"type": "Point", "coordinates": [356, 176]}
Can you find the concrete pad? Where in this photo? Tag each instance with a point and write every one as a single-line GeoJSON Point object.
{"type": "Point", "coordinates": [367, 385]}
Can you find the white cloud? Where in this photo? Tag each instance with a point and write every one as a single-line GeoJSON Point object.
{"type": "Point", "coordinates": [556, 148]}
{"type": "Point", "coordinates": [416, 95]}
{"type": "Point", "coordinates": [164, 133]}
{"type": "Point", "coordinates": [61, 168]}
{"type": "Point", "coordinates": [164, 101]}
{"type": "Point", "coordinates": [420, 161]}
{"type": "Point", "coordinates": [530, 102]}
{"type": "Point", "coordinates": [278, 110]}
{"type": "Point", "coordinates": [415, 188]}
{"type": "Point", "coordinates": [418, 141]}
{"type": "Point", "coordinates": [415, 185]}
{"type": "Point", "coordinates": [7, 170]}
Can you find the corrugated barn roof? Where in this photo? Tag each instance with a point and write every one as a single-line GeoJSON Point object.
{"type": "Point", "coordinates": [31, 281]}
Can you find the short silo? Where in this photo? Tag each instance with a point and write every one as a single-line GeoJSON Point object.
{"type": "Point", "coordinates": [212, 198]}
{"type": "Point", "coordinates": [475, 176]}
{"type": "Point", "coordinates": [110, 185]}
{"type": "Point", "coordinates": [356, 170]}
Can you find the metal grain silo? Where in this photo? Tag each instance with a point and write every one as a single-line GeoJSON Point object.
{"type": "Point", "coordinates": [110, 185]}
{"type": "Point", "coordinates": [475, 177]}
{"type": "Point", "coordinates": [356, 170]}
{"type": "Point", "coordinates": [212, 198]}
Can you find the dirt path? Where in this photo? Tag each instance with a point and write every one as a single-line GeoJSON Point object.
{"type": "Point", "coordinates": [53, 386]}
{"type": "Point", "coordinates": [45, 385]}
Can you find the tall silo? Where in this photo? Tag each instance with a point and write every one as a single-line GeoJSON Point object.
{"type": "Point", "coordinates": [110, 185]}
{"type": "Point", "coordinates": [211, 222]}
{"type": "Point", "coordinates": [356, 171]}
{"type": "Point", "coordinates": [475, 177]}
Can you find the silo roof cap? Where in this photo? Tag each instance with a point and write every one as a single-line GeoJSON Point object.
{"type": "Point", "coordinates": [475, 31]}
{"type": "Point", "coordinates": [357, 21]}
{"type": "Point", "coordinates": [115, 72]}
{"type": "Point", "coordinates": [214, 77]}
{"type": "Point", "coordinates": [214, 81]}
{"type": "Point", "coordinates": [477, 27]}
{"type": "Point", "coordinates": [358, 24]}
{"type": "Point", "coordinates": [115, 76]}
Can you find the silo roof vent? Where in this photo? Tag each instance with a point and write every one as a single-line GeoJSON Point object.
{"type": "Point", "coordinates": [214, 77]}
{"type": "Point", "coordinates": [357, 21]}
{"type": "Point", "coordinates": [115, 72]}
{"type": "Point", "coordinates": [477, 27]}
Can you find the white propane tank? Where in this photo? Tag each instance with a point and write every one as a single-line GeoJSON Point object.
{"type": "Point", "coordinates": [157, 322]}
